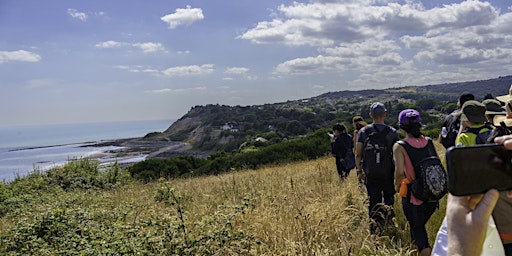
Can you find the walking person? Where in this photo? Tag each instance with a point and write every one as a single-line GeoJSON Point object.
{"type": "Point", "coordinates": [374, 162]}
{"type": "Point", "coordinates": [451, 125]}
{"type": "Point", "coordinates": [406, 154]}
{"type": "Point", "coordinates": [342, 150]}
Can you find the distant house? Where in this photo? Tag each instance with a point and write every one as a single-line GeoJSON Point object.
{"type": "Point", "coordinates": [229, 127]}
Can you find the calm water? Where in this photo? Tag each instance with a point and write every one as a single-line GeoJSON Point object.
{"type": "Point", "coordinates": [24, 148]}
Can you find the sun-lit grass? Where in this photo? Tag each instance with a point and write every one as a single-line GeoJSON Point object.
{"type": "Point", "coordinates": [294, 209]}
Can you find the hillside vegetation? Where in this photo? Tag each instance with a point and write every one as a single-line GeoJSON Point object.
{"type": "Point", "coordinates": [298, 208]}
{"type": "Point", "coordinates": [220, 127]}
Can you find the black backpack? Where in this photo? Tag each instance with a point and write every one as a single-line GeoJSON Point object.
{"type": "Point", "coordinates": [349, 160]}
{"type": "Point", "coordinates": [452, 123]}
{"type": "Point", "coordinates": [431, 182]}
{"type": "Point", "coordinates": [378, 154]}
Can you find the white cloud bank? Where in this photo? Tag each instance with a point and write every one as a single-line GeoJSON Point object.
{"type": "Point", "coordinates": [379, 40]}
{"type": "Point", "coordinates": [181, 17]}
{"type": "Point", "coordinates": [20, 55]}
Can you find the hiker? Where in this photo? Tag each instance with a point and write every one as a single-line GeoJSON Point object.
{"type": "Point", "coordinates": [492, 109]}
{"type": "Point", "coordinates": [474, 129]}
{"type": "Point", "coordinates": [342, 150]}
{"type": "Point", "coordinates": [413, 148]}
{"type": "Point", "coordinates": [374, 162]}
{"type": "Point", "coordinates": [503, 209]}
{"type": "Point", "coordinates": [358, 123]}
{"type": "Point", "coordinates": [451, 124]}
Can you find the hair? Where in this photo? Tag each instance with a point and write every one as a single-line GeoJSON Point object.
{"type": "Point", "coordinates": [356, 119]}
{"type": "Point", "coordinates": [465, 97]}
{"type": "Point", "coordinates": [360, 124]}
{"type": "Point", "coordinates": [412, 128]}
{"type": "Point", "coordinates": [339, 127]}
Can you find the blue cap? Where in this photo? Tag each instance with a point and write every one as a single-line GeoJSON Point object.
{"type": "Point", "coordinates": [377, 109]}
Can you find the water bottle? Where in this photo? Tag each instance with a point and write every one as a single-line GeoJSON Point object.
{"type": "Point", "coordinates": [444, 132]}
{"type": "Point", "coordinates": [377, 154]}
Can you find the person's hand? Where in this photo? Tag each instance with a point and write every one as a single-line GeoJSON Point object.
{"type": "Point", "coordinates": [506, 140]}
{"type": "Point", "coordinates": [467, 218]}
{"type": "Point", "coordinates": [360, 176]}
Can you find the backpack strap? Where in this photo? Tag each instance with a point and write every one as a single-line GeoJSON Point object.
{"type": "Point", "coordinates": [408, 148]}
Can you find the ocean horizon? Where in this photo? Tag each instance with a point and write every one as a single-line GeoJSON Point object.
{"type": "Point", "coordinates": [26, 148]}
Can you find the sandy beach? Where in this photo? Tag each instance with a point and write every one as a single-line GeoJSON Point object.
{"type": "Point", "coordinates": [129, 151]}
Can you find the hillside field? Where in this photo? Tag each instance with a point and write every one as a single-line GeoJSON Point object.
{"type": "Point", "coordinates": [300, 208]}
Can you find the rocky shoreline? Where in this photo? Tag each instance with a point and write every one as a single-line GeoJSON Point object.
{"type": "Point", "coordinates": [129, 151]}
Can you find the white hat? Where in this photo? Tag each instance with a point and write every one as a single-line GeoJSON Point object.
{"type": "Point", "coordinates": [505, 98]}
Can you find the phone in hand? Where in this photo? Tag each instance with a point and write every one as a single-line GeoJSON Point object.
{"type": "Point", "coordinates": [476, 169]}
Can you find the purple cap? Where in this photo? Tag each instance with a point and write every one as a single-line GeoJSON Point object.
{"type": "Point", "coordinates": [409, 116]}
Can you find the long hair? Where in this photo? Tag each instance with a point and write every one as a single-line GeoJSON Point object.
{"type": "Point", "coordinates": [360, 124]}
{"type": "Point", "coordinates": [412, 128]}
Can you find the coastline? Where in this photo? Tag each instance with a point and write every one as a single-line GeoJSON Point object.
{"type": "Point", "coordinates": [129, 151]}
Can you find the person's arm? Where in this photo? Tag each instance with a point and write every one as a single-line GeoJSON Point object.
{"type": "Point", "coordinates": [358, 152]}
{"type": "Point", "coordinates": [398, 158]}
{"type": "Point", "coordinates": [467, 219]}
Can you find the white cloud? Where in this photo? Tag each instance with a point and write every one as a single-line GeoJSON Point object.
{"type": "Point", "coordinates": [183, 17]}
{"type": "Point", "coordinates": [146, 47]}
{"type": "Point", "coordinates": [189, 70]}
{"type": "Point", "coordinates": [389, 39]}
{"type": "Point", "coordinates": [168, 90]}
{"type": "Point", "coordinates": [109, 44]}
{"type": "Point", "coordinates": [19, 55]}
{"type": "Point", "coordinates": [236, 70]}
{"type": "Point", "coordinates": [150, 47]}
{"type": "Point", "coordinates": [77, 15]}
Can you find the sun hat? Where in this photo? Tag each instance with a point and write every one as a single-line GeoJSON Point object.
{"type": "Point", "coordinates": [505, 98]}
{"type": "Point", "coordinates": [409, 116]}
{"type": "Point", "coordinates": [493, 107]}
{"type": "Point", "coordinates": [377, 109]}
{"type": "Point", "coordinates": [473, 111]}
{"type": "Point", "coordinates": [507, 119]}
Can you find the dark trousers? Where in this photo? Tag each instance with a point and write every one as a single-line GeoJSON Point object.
{"type": "Point", "coordinates": [342, 172]}
{"type": "Point", "coordinates": [417, 216]}
{"type": "Point", "coordinates": [508, 249]}
{"type": "Point", "coordinates": [381, 194]}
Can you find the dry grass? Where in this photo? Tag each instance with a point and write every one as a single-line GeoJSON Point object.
{"type": "Point", "coordinates": [293, 209]}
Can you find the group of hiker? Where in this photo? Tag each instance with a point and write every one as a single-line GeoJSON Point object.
{"type": "Point", "coordinates": [387, 164]}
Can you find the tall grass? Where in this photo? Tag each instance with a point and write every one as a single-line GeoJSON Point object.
{"type": "Point", "coordinates": [291, 209]}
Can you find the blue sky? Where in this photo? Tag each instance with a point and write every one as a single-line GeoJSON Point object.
{"type": "Point", "coordinates": [69, 61]}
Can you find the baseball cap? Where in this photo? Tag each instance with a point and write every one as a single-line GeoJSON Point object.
{"type": "Point", "coordinates": [473, 111]}
{"type": "Point", "coordinates": [377, 109]}
{"type": "Point", "coordinates": [409, 116]}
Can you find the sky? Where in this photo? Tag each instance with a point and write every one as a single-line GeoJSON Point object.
{"type": "Point", "coordinates": [71, 61]}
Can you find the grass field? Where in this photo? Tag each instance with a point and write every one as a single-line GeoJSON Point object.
{"type": "Point", "coordinates": [293, 209]}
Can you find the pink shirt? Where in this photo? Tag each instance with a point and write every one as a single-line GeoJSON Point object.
{"type": "Point", "coordinates": [408, 167]}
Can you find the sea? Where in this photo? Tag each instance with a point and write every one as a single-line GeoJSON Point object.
{"type": "Point", "coordinates": [24, 149]}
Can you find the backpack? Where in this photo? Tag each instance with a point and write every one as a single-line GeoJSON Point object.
{"type": "Point", "coordinates": [431, 182]}
{"type": "Point", "coordinates": [378, 154]}
{"type": "Point", "coordinates": [349, 161]}
{"type": "Point", "coordinates": [481, 137]}
{"type": "Point", "coordinates": [452, 125]}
